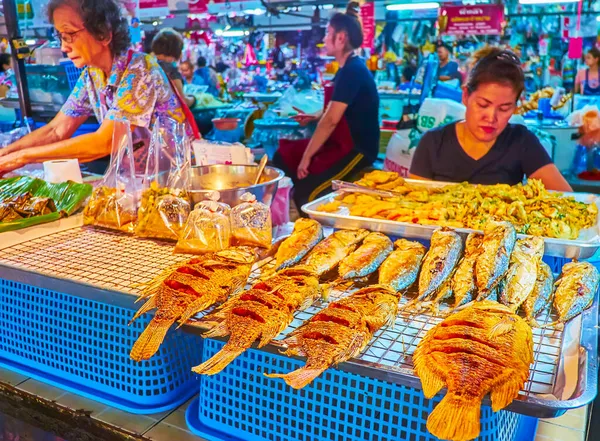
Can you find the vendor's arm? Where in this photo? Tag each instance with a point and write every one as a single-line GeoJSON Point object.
{"type": "Point", "coordinates": [85, 148]}
{"type": "Point", "coordinates": [552, 178]}
{"type": "Point", "coordinates": [189, 100]}
{"type": "Point", "coordinates": [331, 118]}
{"type": "Point", "coordinates": [61, 127]}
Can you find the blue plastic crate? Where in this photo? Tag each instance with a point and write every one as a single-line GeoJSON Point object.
{"type": "Point", "coordinates": [241, 404]}
{"type": "Point", "coordinates": [82, 346]}
{"type": "Point", "coordinates": [73, 73]}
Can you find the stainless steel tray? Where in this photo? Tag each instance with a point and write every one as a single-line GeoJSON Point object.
{"type": "Point", "coordinates": [583, 248]}
{"type": "Point", "coordinates": [564, 374]}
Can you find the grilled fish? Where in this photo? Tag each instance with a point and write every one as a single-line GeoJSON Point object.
{"type": "Point", "coordinates": [440, 261]}
{"type": "Point", "coordinates": [262, 312]}
{"type": "Point", "coordinates": [463, 282]}
{"type": "Point", "coordinates": [482, 349]}
{"type": "Point", "coordinates": [492, 264]}
{"type": "Point", "coordinates": [575, 289]}
{"type": "Point", "coordinates": [339, 332]}
{"type": "Point", "coordinates": [541, 295]}
{"type": "Point", "coordinates": [307, 233]}
{"type": "Point", "coordinates": [330, 251]}
{"type": "Point", "coordinates": [400, 270]}
{"type": "Point", "coordinates": [367, 258]}
{"type": "Point", "coordinates": [522, 272]}
{"type": "Point", "coordinates": [188, 290]}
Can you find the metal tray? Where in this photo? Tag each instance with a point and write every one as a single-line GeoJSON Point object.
{"type": "Point", "coordinates": [582, 248]}
{"type": "Point", "coordinates": [563, 376]}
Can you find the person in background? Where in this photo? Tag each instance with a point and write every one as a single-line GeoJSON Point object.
{"type": "Point", "coordinates": [203, 77]}
{"type": "Point", "coordinates": [448, 69]}
{"type": "Point", "coordinates": [346, 139]}
{"type": "Point", "coordinates": [7, 76]}
{"type": "Point", "coordinates": [587, 81]}
{"type": "Point", "coordinates": [167, 46]}
{"type": "Point", "coordinates": [485, 148]}
{"type": "Point", "coordinates": [408, 73]}
{"type": "Point", "coordinates": [118, 84]}
{"type": "Point", "coordinates": [186, 68]}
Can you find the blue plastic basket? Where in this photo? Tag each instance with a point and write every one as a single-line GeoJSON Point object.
{"type": "Point", "coordinates": [82, 346]}
{"type": "Point", "coordinates": [73, 73]}
{"type": "Point", "coordinates": [7, 126]}
{"type": "Point", "coordinates": [242, 404]}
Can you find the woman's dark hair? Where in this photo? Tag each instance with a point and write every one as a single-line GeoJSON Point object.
{"type": "Point", "coordinates": [494, 65]}
{"type": "Point", "coordinates": [168, 42]}
{"type": "Point", "coordinates": [103, 19]}
{"type": "Point", "coordinates": [201, 62]}
{"type": "Point", "coordinates": [4, 60]}
{"type": "Point", "coordinates": [595, 52]}
{"type": "Point", "coordinates": [349, 22]}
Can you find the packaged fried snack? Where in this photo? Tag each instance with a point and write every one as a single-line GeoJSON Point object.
{"type": "Point", "coordinates": [165, 202]}
{"type": "Point", "coordinates": [113, 203]}
{"type": "Point", "coordinates": [208, 228]}
{"type": "Point", "coordinates": [251, 223]}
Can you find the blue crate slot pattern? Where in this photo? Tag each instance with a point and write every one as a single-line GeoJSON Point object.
{"type": "Point", "coordinates": [86, 344]}
{"type": "Point", "coordinates": [340, 406]}
{"type": "Point", "coordinates": [73, 73]}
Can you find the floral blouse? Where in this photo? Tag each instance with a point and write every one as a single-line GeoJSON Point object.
{"type": "Point", "coordinates": [137, 91]}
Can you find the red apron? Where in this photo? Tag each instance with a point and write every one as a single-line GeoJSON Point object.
{"type": "Point", "coordinates": [338, 145]}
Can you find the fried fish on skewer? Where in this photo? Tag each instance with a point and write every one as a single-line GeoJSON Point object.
{"type": "Point", "coordinates": [261, 313]}
{"type": "Point", "coordinates": [190, 289]}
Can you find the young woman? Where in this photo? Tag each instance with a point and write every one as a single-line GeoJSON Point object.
{"type": "Point", "coordinates": [485, 148]}
{"type": "Point", "coordinates": [117, 85]}
{"type": "Point", "coordinates": [346, 139]}
{"type": "Point", "coordinates": [587, 81]}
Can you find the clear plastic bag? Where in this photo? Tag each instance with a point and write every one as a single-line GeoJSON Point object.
{"type": "Point", "coordinates": [113, 203]}
{"type": "Point", "coordinates": [251, 223]}
{"type": "Point", "coordinates": [165, 202]}
{"type": "Point", "coordinates": [208, 228]}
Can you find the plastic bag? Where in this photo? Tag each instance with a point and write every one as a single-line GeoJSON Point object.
{"type": "Point", "coordinates": [208, 228]}
{"type": "Point", "coordinates": [165, 202]}
{"type": "Point", "coordinates": [251, 223]}
{"type": "Point", "coordinates": [400, 151]}
{"type": "Point", "coordinates": [113, 203]}
{"type": "Point", "coordinates": [587, 118]}
{"type": "Point", "coordinates": [436, 112]}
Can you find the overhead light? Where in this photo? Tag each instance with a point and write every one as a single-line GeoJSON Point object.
{"type": "Point", "coordinates": [154, 23]}
{"type": "Point", "coordinates": [246, 33]}
{"type": "Point", "coordinates": [545, 2]}
{"type": "Point", "coordinates": [219, 32]}
{"type": "Point", "coordinates": [30, 42]}
{"type": "Point", "coordinates": [598, 18]}
{"type": "Point", "coordinates": [412, 6]}
{"type": "Point", "coordinates": [232, 33]}
{"type": "Point", "coordinates": [257, 11]}
{"type": "Point", "coordinates": [327, 7]}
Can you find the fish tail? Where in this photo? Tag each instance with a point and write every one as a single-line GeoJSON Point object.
{"type": "Point", "coordinates": [557, 324]}
{"type": "Point", "coordinates": [150, 340]}
{"type": "Point", "coordinates": [220, 330]}
{"type": "Point", "coordinates": [219, 361]}
{"type": "Point", "coordinates": [300, 377]}
{"type": "Point", "coordinates": [149, 305]}
{"type": "Point", "coordinates": [455, 418]}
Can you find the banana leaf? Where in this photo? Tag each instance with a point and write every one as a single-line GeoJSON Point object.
{"type": "Point", "coordinates": [68, 196]}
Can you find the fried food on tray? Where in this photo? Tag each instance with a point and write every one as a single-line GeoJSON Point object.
{"type": "Point", "coordinates": [530, 207]}
{"type": "Point", "coordinates": [483, 349]}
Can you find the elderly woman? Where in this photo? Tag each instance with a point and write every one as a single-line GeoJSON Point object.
{"type": "Point", "coordinates": [117, 85]}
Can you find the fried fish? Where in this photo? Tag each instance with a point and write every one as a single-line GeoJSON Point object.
{"type": "Point", "coordinates": [367, 258]}
{"type": "Point", "coordinates": [400, 270]}
{"type": "Point", "coordinates": [307, 233]}
{"type": "Point", "coordinates": [333, 249]}
{"type": "Point", "coordinates": [492, 264]}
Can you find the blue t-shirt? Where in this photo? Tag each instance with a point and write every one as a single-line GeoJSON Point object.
{"type": "Point", "coordinates": [516, 154]}
{"type": "Point", "coordinates": [449, 70]}
{"type": "Point", "coordinates": [354, 85]}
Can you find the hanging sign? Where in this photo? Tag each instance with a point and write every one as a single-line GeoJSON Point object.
{"type": "Point", "coordinates": [198, 6]}
{"type": "Point", "coordinates": [471, 20]}
{"type": "Point", "coordinates": [367, 17]}
{"type": "Point", "coordinates": [149, 4]}
{"type": "Point", "coordinates": [153, 8]}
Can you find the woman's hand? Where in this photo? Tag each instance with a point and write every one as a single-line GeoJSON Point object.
{"type": "Point", "coordinates": [303, 167]}
{"type": "Point", "coordinates": [11, 162]}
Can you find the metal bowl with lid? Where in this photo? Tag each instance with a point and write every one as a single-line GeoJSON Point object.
{"type": "Point", "coordinates": [232, 181]}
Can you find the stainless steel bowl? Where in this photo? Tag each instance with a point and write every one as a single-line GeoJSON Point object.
{"type": "Point", "coordinates": [232, 181]}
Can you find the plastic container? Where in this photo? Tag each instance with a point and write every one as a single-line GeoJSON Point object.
{"type": "Point", "coordinates": [242, 404]}
{"type": "Point", "coordinates": [82, 346]}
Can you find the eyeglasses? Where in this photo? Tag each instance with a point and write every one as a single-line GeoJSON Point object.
{"type": "Point", "coordinates": [67, 37]}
